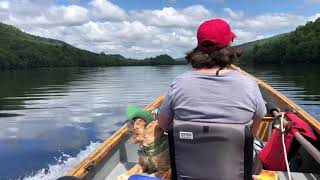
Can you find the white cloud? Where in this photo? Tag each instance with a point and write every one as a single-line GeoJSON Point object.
{"type": "Point", "coordinates": [4, 5]}
{"type": "Point", "coordinates": [171, 17]}
{"type": "Point", "coordinates": [45, 14]}
{"type": "Point", "coordinates": [249, 28]}
{"type": "Point", "coordinates": [274, 21]}
{"type": "Point", "coordinates": [134, 39]}
{"type": "Point", "coordinates": [314, 17]}
{"type": "Point", "coordinates": [232, 14]}
{"type": "Point", "coordinates": [106, 10]}
{"type": "Point", "coordinates": [118, 32]}
{"type": "Point", "coordinates": [68, 14]}
{"type": "Point", "coordinates": [263, 22]}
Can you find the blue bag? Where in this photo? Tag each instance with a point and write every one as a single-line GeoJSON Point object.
{"type": "Point", "coordinates": [141, 177]}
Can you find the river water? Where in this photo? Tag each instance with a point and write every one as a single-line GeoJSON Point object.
{"type": "Point", "coordinates": [50, 119]}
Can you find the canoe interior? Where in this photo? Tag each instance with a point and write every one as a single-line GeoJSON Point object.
{"type": "Point", "coordinates": [121, 158]}
{"type": "Point", "coordinates": [117, 155]}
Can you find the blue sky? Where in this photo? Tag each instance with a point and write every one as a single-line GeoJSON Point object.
{"type": "Point", "coordinates": [144, 28]}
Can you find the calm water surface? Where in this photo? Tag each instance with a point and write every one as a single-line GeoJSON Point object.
{"type": "Point", "coordinates": [50, 119]}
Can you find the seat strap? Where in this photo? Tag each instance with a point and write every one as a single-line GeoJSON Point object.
{"type": "Point", "coordinates": [172, 155]}
{"type": "Point", "coordinates": [248, 154]}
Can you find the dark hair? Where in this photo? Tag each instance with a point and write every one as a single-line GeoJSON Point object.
{"type": "Point", "coordinates": [214, 57]}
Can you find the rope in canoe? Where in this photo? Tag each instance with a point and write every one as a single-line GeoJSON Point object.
{"type": "Point", "coordinates": [284, 145]}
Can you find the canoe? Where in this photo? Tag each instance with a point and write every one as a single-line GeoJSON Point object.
{"type": "Point", "coordinates": [117, 154]}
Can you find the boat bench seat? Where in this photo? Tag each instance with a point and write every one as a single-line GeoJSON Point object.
{"type": "Point", "coordinates": [298, 176]}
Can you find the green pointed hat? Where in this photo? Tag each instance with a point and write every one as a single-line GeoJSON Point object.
{"type": "Point", "coordinates": [134, 112]}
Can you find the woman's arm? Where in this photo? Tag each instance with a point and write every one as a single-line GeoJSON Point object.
{"type": "Point", "coordinates": [166, 114]}
{"type": "Point", "coordinates": [260, 111]}
{"type": "Point", "coordinates": [164, 122]}
{"type": "Point", "coordinates": [255, 127]}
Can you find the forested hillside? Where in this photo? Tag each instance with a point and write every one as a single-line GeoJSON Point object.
{"type": "Point", "coordinates": [21, 50]}
{"type": "Point", "coordinates": [299, 46]}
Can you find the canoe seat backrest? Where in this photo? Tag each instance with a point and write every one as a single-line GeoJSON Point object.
{"type": "Point", "coordinates": [207, 151]}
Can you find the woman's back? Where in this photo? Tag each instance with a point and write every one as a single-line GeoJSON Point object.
{"type": "Point", "coordinates": [230, 97]}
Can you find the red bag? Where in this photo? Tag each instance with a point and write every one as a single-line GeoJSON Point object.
{"type": "Point", "coordinates": [301, 126]}
{"type": "Point", "coordinates": [271, 156]}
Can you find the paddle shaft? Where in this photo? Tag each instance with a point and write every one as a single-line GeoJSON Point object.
{"type": "Point", "coordinates": [314, 152]}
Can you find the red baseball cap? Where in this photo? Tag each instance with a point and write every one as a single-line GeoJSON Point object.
{"type": "Point", "coordinates": [217, 31]}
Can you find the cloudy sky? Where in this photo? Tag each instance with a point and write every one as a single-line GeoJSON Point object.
{"type": "Point", "coordinates": [144, 28]}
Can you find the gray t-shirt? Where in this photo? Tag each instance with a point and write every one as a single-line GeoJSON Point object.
{"type": "Point", "coordinates": [230, 97]}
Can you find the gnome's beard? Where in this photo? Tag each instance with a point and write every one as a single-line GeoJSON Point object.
{"type": "Point", "coordinates": [137, 131]}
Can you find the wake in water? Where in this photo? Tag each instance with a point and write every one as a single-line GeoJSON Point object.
{"type": "Point", "coordinates": [62, 167]}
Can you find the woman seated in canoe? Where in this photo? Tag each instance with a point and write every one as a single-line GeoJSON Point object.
{"type": "Point", "coordinates": [213, 92]}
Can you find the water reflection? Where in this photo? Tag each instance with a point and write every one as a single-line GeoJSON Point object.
{"type": "Point", "coordinates": [300, 83]}
{"type": "Point", "coordinates": [47, 112]}
{"type": "Point", "coordinates": [20, 87]}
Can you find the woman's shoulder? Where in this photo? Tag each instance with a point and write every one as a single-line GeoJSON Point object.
{"type": "Point", "coordinates": [180, 78]}
{"type": "Point", "coordinates": [249, 85]}
{"type": "Point", "coordinates": [236, 76]}
{"type": "Point", "coordinates": [243, 78]}
{"type": "Point", "coordinates": [184, 75]}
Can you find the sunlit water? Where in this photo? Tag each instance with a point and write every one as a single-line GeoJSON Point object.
{"type": "Point", "coordinates": [51, 119]}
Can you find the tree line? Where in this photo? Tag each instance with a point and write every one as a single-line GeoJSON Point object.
{"type": "Point", "coordinates": [299, 46]}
